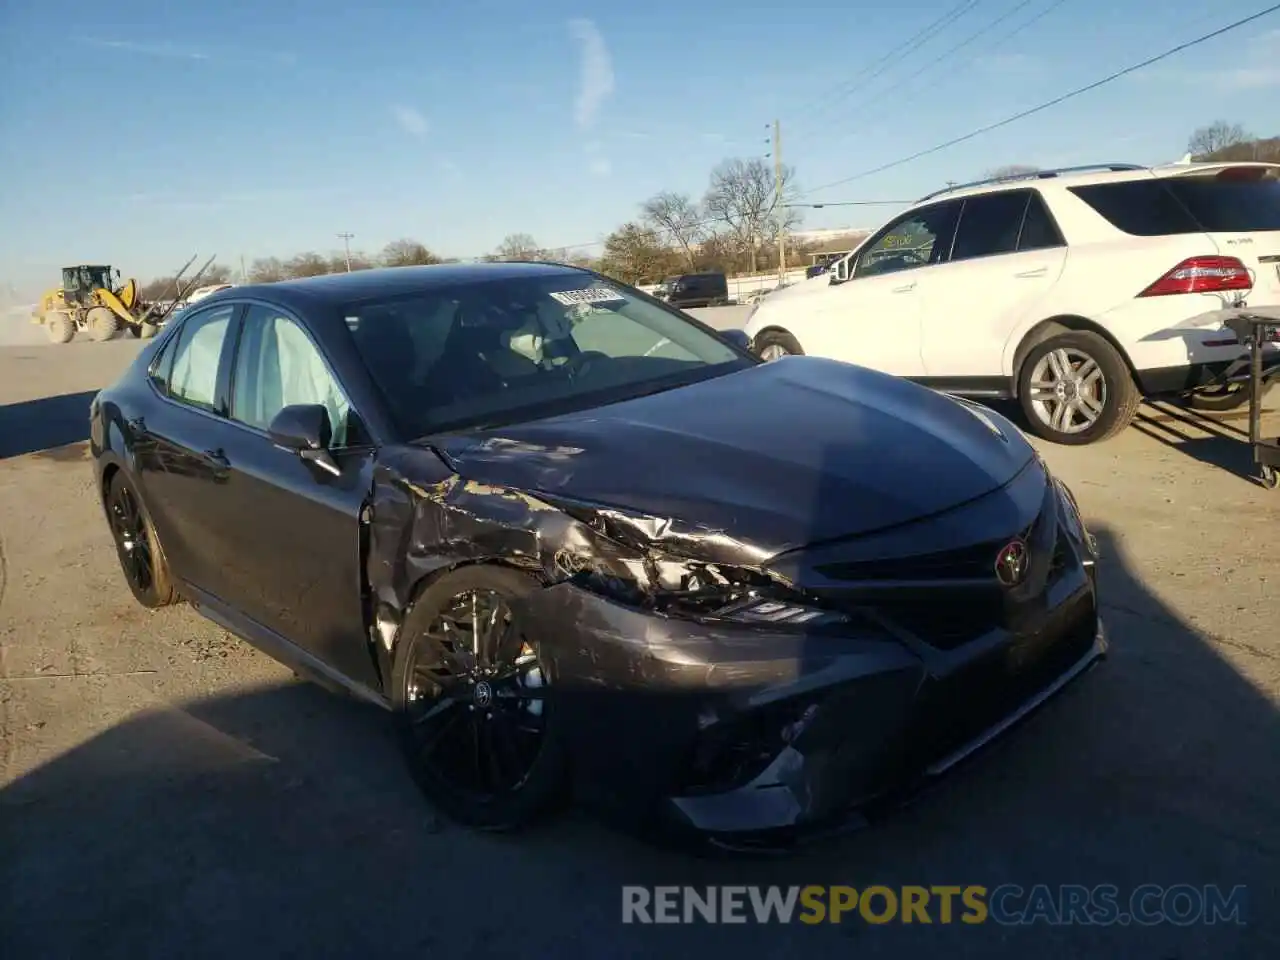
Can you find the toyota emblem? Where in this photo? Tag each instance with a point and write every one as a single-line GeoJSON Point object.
{"type": "Point", "coordinates": [1011, 563]}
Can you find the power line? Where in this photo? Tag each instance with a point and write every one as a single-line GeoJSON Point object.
{"type": "Point", "coordinates": [952, 51]}
{"type": "Point", "coordinates": [1054, 102]}
{"type": "Point", "coordinates": [888, 61]}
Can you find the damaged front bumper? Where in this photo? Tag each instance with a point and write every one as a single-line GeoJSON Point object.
{"type": "Point", "coordinates": [754, 736]}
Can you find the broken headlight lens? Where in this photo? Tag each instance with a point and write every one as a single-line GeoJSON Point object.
{"type": "Point", "coordinates": [693, 589]}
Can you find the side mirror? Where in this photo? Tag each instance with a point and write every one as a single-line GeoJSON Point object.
{"type": "Point", "coordinates": [840, 270]}
{"type": "Point", "coordinates": [305, 429]}
{"type": "Point", "coordinates": [738, 338]}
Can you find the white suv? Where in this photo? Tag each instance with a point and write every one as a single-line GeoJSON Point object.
{"type": "Point", "coordinates": [1077, 292]}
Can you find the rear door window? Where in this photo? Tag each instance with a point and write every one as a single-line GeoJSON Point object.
{"type": "Point", "coordinates": [197, 356]}
{"type": "Point", "coordinates": [1039, 230]}
{"type": "Point", "coordinates": [989, 224]}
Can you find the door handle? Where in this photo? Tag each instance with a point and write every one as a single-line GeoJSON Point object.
{"type": "Point", "coordinates": [905, 288]}
{"type": "Point", "coordinates": [218, 459]}
{"type": "Point", "coordinates": [1028, 274]}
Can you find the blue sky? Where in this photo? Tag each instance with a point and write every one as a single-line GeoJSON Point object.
{"type": "Point", "coordinates": [257, 129]}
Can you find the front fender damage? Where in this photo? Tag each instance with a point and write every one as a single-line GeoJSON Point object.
{"type": "Point", "coordinates": [425, 519]}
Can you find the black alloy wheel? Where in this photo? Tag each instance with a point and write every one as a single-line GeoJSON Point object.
{"type": "Point", "coordinates": [141, 559]}
{"type": "Point", "coordinates": [472, 704]}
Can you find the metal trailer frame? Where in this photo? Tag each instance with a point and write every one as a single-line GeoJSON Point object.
{"type": "Point", "coordinates": [1255, 332]}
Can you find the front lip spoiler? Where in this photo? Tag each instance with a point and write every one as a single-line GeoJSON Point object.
{"type": "Point", "coordinates": [860, 817]}
{"type": "Point", "coordinates": [1091, 657]}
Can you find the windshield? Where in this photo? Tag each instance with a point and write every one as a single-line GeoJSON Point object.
{"type": "Point", "coordinates": [518, 349]}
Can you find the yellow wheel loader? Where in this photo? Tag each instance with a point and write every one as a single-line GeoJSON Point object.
{"type": "Point", "coordinates": [94, 300]}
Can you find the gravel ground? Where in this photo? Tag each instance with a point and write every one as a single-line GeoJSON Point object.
{"type": "Point", "coordinates": [167, 791]}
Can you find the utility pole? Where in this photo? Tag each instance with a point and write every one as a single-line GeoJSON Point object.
{"type": "Point", "coordinates": [777, 201]}
{"type": "Point", "coordinates": [244, 274]}
{"type": "Point", "coordinates": [346, 247]}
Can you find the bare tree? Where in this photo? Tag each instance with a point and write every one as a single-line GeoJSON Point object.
{"type": "Point", "coordinates": [267, 270]}
{"type": "Point", "coordinates": [519, 246]}
{"type": "Point", "coordinates": [307, 265]}
{"type": "Point", "coordinates": [1216, 136]}
{"type": "Point", "coordinates": [1012, 170]}
{"type": "Point", "coordinates": [743, 197]}
{"type": "Point", "coordinates": [359, 261]}
{"type": "Point", "coordinates": [635, 253]}
{"type": "Point", "coordinates": [678, 218]}
{"type": "Point", "coordinates": [407, 253]}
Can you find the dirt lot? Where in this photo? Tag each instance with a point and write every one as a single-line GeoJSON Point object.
{"type": "Point", "coordinates": [167, 791]}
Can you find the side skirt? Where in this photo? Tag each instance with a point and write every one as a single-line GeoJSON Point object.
{"type": "Point", "coordinates": [277, 647]}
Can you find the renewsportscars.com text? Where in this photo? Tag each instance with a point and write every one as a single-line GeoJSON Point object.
{"type": "Point", "coordinates": [1007, 904]}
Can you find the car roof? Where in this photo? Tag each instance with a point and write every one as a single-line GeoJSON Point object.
{"type": "Point", "coordinates": [341, 288]}
{"type": "Point", "coordinates": [1080, 176]}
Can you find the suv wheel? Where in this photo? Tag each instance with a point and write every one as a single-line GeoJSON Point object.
{"type": "Point", "coordinates": [1076, 389]}
{"type": "Point", "coordinates": [776, 344]}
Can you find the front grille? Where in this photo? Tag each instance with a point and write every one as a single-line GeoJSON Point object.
{"type": "Point", "coordinates": [949, 598]}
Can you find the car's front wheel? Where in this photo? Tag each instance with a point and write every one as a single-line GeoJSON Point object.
{"type": "Point", "coordinates": [470, 698]}
{"type": "Point", "coordinates": [1075, 389]}
{"type": "Point", "coordinates": [776, 344]}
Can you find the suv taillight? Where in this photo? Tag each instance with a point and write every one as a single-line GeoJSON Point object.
{"type": "Point", "coordinates": [1202, 275]}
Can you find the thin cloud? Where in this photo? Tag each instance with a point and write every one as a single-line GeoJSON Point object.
{"type": "Point", "coordinates": [411, 121]}
{"type": "Point", "coordinates": [596, 82]}
{"type": "Point", "coordinates": [165, 50]}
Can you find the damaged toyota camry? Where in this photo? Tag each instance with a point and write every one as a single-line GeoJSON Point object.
{"type": "Point", "coordinates": [580, 544]}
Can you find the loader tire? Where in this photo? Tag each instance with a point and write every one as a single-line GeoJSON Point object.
{"type": "Point", "coordinates": [147, 330]}
{"type": "Point", "coordinates": [59, 326]}
{"type": "Point", "coordinates": [103, 324]}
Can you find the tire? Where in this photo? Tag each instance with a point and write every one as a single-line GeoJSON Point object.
{"type": "Point", "coordinates": [1107, 383]}
{"type": "Point", "coordinates": [147, 331]}
{"type": "Point", "coordinates": [1222, 400]}
{"type": "Point", "coordinates": [435, 731]}
{"type": "Point", "coordinates": [777, 343]}
{"type": "Point", "coordinates": [59, 326]}
{"type": "Point", "coordinates": [137, 545]}
{"type": "Point", "coordinates": [103, 324]}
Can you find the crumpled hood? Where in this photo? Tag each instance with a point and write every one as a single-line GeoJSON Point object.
{"type": "Point", "coordinates": [778, 456]}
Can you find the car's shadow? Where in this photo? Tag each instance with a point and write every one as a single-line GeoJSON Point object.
{"type": "Point", "coordinates": [32, 425]}
{"type": "Point", "coordinates": [281, 821]}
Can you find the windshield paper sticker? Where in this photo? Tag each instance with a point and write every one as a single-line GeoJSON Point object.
{"type": "Point", "coordinates": [571, 298]}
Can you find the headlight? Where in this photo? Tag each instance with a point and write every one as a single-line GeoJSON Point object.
{"type": "Point", "coordinates": [691, 589]}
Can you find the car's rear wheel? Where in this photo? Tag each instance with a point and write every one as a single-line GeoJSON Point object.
{"type": "Point", "coordinates": [776, 344]}
{"type": "Point", "coordinates": [470, 697]}
{"type": "Point", "coordinates": [137, 546]}
{"type": "Point", "coordinates": [1076, 389]}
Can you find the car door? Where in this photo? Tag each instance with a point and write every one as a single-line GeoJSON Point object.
{"type": "Point", "coordinates": [296, 526]}
{"type": "Point", "coordinates": [175, 446]}
{"type": "Point", "coordinates": [1007, 256]}
{"type": "Point", "coordinates": [873, 318]}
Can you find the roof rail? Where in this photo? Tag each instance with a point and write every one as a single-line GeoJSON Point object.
{"type": "Point", "coordinates": [1036, 175]}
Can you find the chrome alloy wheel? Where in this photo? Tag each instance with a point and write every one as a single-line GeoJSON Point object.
{"type": "Point", "coordinates": [774, 351]}
{"type": "Point", "coordinates": [1068, 390]}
